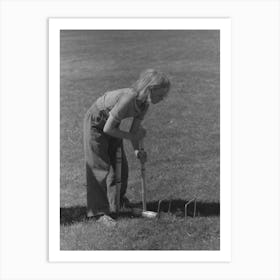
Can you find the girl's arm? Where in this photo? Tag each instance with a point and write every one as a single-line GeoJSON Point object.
{"type": "Point", "coordinates": [116, 115]}
{"type": "Point", "coordinates": [112, 128]}
{"type": "Point", "coordinates": [134, 128]}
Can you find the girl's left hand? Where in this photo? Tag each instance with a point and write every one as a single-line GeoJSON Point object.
{"type": "Point", "coordinates": [141, 155]}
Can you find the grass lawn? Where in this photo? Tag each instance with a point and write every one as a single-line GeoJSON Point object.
{"type": "Point", "coordinates": [183, 139]}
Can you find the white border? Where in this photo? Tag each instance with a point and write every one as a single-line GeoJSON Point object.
{"type": "Point", "coordinates": [55, 255]}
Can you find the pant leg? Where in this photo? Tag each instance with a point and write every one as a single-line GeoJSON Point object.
{"type": "Point", "coordinates": [97, 202]}
{"type": "Point", "coordinates": [111, 178]}
{"type": "Point", "coordinates": [97, 159]}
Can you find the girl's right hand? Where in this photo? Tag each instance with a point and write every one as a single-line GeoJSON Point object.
{"type": "Point", "coordinates": [141, 155]}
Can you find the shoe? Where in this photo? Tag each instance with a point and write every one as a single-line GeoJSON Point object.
{"type": "Point", "coordinates": [90, 214]}
{"type": "Point", "coordinates": [107, 221]}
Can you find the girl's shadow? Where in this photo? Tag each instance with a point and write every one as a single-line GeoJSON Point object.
{"type": "Point", "coordinates": [70, 215]}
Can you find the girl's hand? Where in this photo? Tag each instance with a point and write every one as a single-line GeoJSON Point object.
{"type": "Point", "coordinates": [141, 155]}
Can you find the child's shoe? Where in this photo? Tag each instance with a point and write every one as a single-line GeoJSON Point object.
{"type": "Point", "coordinates": [107, 221]}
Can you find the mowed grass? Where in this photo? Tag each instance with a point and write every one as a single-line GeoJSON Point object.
{"type": "Point", "coordinates": [169, 233]}
{"type": "Point", "coordinates": [183, 139]}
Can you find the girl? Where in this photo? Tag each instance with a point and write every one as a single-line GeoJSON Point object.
{"type": "Point", "coordinates": [102, 137]}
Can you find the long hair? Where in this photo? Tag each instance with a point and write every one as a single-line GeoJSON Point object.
{"type": "Point", "coordinates": [150, 78]}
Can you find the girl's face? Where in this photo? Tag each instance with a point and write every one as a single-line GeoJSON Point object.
{"type": "Point", "coordinates": [157, 94]}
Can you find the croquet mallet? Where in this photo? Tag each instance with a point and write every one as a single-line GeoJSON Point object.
{"type": "Point", "coordinates": [144, 213]}
{"type": "Point", "coordinates": [118, 179]}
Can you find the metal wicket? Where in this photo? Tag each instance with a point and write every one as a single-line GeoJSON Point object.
{"type": "Point", "coordinates": [194, 207]}
{"type": "Point", "coordinates": [186, 206]}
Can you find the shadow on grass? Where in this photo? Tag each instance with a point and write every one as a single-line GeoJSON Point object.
{"type": "Point", "coordinates": [177, 207]}
{"type": "Point", "coordinates": [70, 215]}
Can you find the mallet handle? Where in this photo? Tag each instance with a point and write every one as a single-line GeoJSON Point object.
{"type": "Point", "coordinates": [143, 178]}
{"type": "Point", "coordinates": [118, 178]}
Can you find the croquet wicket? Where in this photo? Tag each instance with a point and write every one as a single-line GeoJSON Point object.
{"type": "Point", "coordinates": [194, 207]}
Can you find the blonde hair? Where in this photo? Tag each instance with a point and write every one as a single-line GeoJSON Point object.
{"type": "Point", "coordinates": [150, 78]}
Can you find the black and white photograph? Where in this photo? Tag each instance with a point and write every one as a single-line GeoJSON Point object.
{"type": "Point", "coordinates": [140, 139]}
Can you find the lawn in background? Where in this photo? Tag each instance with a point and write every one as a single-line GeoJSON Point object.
{"type": "Point", "coordinates": [183, 136]}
